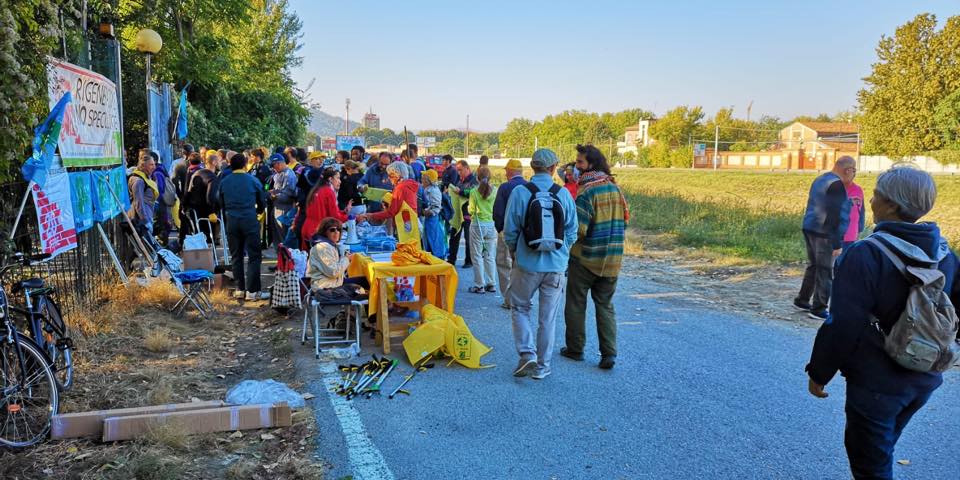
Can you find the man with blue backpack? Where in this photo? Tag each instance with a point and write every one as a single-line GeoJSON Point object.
{"type": "Point", "coordinates": [540, 226]}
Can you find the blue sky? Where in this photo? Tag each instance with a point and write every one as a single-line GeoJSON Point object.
{"type": "Point", "coordinates": [428, 64]}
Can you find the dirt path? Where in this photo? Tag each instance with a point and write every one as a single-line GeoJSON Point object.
{"type": "Point", "coordinates": [728, 283]}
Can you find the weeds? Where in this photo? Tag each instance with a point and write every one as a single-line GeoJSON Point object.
{"type": "Point", "coordinates": [158, 341]}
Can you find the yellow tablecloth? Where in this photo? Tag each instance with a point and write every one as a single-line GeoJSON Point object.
{"type": "Point", "coordinates": [427, 277]}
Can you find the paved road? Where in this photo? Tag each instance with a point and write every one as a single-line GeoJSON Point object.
{"type": "Point", "coordinates": [697, 393]}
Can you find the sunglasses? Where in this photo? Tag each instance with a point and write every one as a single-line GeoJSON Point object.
{"type": "Point", "coordinates": [334, 229]}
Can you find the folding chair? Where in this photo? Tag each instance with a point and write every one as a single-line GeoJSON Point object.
{"type": "Point", "coordinates": [192, 284]}
{"type": "Point", "coordinates": [313, 310]}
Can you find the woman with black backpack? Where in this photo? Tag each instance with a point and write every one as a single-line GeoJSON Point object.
{"type": "Point", "coordinates": [891, 371]}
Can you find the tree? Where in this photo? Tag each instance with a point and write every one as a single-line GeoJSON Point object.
{"type": "Point", "coordinates": [677, 126]}
{"type": "Point", "coordinates": [916, 69]}
{"type": "Point", "coordinates": [516, 140]}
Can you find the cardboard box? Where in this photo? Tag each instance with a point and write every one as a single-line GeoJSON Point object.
{"type": "Point", "coordinates": [223, 419]}
{"type": "Point", "coordinates": [221, 282]}
{"type": "Point", "coordinates": [200, 259]}
{"type": "Point", "coordinates": [90, 424]}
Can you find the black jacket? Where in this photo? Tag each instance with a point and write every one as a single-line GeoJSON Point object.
{"type": "Point", "coordinates": [203, 192]}
{"type": "Point", "coordinates": [866, 284]}
{"type": "Point", "coordinates": [348, 190]}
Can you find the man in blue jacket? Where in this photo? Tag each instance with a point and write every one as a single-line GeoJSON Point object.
{"type": "Point", "coordinates": [882, 395]}
{"type": "Point", "coordinates": [824, 223]}
{"type": "Point", "coordinates": [243, 198]}
{"type": "Point", "coordinates": [537, 271]}
{"type": "Point", "coordinates": [504, 260]}
{"type": "Point", "coordinates": [376, 177]}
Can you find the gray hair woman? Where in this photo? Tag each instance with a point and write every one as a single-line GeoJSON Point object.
{"type": "Point", "coordinates": [868, 287]}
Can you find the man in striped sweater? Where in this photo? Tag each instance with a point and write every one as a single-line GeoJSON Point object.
{"type": "Point", "coordinates": [596, 256]}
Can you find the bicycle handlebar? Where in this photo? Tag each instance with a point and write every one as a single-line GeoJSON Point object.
{"type": "Point", "coordinates": [21, 259]}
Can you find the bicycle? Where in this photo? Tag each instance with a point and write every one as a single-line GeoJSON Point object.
{"type": "Point", "coordinates": [29, 395]}
{"type": "Point", "coordinates": [46, 326]}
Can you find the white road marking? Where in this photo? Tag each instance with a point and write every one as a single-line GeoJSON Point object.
{"type": "Point", "coordinates": [366, 462]}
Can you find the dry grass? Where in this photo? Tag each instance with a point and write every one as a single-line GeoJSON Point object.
{"type": "Point", "coordinates": [161, 393]}
{"type": "Point", "coordinates": [158, 341]}
{"type": "Point", "coordinates": [169, 435]}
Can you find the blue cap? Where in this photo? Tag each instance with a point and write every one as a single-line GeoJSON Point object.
{"type": "Point", "coordinates": [276, 157]}
{"type": "Point", "coordinates": [544, 158]}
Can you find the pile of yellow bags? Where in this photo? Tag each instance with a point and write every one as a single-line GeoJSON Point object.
{"type": "Point", "coordinates": [446, 333]}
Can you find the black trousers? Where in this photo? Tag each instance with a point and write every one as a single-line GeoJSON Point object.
{"type": "Point", "coordinates": [454, 247]}
{"type": "Point", "coordinates": [818, 277]}
{"type": "Point", "coordinates": [243, 236]}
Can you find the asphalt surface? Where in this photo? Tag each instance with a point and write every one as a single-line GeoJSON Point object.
{"type": "Point", "coordinates": [697, 392]}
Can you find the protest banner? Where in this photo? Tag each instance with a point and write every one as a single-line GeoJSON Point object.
{"type": "Point", "coordinates": [90, 135]}
{"type": "Point", "coordinates": [55, 212]}
{"type": "Point", "coordinates": [81, 198]}
{"type": "Point", "coordinates": [105, 205]}
{"type": "Point", "coordinates": [346, 142]}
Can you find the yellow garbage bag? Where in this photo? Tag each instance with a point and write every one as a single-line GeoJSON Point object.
{"type": "Point", "coordinates": [427, 339]}
{"type": "Point", "coordinates": [459, 343]}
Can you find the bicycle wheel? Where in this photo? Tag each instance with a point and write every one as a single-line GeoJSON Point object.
{"type": "Point", "coordinates": [30, 396]}
{"type": "Point", "coordinates": [57, 343]}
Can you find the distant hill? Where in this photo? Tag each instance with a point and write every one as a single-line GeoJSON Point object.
{"type": "Point", "coordinates": [327, 125]}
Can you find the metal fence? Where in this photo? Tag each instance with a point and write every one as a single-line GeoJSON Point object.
{"type": "Point", "coordinates": [80, 275]}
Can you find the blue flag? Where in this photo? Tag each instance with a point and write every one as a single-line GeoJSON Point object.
{"type": "Point", "coordinates": [182, 116]}
{"type": "Point", "coordinates": [45, 138]}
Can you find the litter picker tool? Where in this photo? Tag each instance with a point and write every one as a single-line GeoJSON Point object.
{"type": "Point", "coordinates": [410, 377]}
{"type": "Point", "coordinates": [375, 388]}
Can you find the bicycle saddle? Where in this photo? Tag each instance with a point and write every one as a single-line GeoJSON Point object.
{"type": "Point", "coordinates": [31, 283]}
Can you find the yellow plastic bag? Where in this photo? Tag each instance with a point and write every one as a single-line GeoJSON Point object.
{"type": "Point", "coordinates": [459, 343]}
{"type": "Point", "coordinates": [427, 339]}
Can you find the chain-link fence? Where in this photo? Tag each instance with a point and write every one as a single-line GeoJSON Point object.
{"type": "Point", "coordinates": [80, 275]}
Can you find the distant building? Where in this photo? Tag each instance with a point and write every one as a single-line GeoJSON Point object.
{"type": "Point", "coordinates": [802, 146]}
{"type": "Point", "coordinates": [371, 121]}
{"type": "Point", "coordinates": [636, 136]}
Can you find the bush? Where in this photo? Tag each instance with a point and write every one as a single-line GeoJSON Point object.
{"type": "Point", "coordinates": [659, 155]}
{"type": "Point", "coordinates": [681, 157]}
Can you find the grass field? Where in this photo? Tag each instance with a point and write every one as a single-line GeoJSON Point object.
{"type": "Point", "coordinates": [752, 215]}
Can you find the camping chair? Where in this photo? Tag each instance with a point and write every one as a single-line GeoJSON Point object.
{"type": "Point", "coordinates": [192, 284]}
{"type": "Point", "coordinates": [313, 311]}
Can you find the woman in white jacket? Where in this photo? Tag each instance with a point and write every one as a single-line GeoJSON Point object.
{"type": "Point", "coordinates": [327, 266]}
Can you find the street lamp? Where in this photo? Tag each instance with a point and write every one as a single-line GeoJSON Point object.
{"type": "Point", "coordinates": [148, 42]}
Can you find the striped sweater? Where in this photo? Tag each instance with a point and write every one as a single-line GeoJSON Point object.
{"type": "Point", "coordinates": [603, 215]}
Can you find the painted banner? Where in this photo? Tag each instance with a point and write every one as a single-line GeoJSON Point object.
{"type": "Point", "coordinates": [346, 142]}
{"type": "Point", "coordinates": [328, 144]}
{"type": "Point", "coordinates": [159, 105]}
{"type": "Point", "coordinates": [55, 212]}
{"type": "Point", "coordinates": [90, 135]}
{"type": "Point", "coordinates": [105, 204]}
{"type": "Point", "coordinates": [81, 197]}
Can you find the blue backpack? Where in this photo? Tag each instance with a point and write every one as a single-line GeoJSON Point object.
{"type": "Point", "coordinates": [446, 207]}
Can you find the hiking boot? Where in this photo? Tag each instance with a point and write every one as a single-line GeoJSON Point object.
{"type": "Point", "coordinates": [257, 296]}
{"type": "Point", "coordinates": [801, 305]}
{"type": "Point", "coordinates": [239, 294]}
{"type": "Point", "coordinates": [818, 314]}
{"type": "Point", "coordinates": [566, 352]}
{"type": "Point", "coordinates": [541, 373]}
{"type": "Point", "coordinates": [524, 367]}
{"type": "Point", "coordinates": [490, 289]}
{"type": "Point", "coordinates": [475, 290]}
{"type": "Point", "coordinates": [607, 363]}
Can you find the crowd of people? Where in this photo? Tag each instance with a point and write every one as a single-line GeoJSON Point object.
{"type": "Point", "coordinates": [559, 235]}
{"type": "Point", "coordinates": [522, 238]}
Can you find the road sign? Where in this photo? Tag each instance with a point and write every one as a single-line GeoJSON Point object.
{"type": "Point", "coordinates": [699, 149]}
{"type": "Point", "coordinates": [328, 143]}
{"type": "Point", "coordinates": [427, 141]}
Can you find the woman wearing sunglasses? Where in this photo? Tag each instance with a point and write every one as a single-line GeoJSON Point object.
{"type": "Point", "coordinates": [327, 265]}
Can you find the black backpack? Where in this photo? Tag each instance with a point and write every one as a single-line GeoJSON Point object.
{"type": "Point", "coordinates": [543, 223]}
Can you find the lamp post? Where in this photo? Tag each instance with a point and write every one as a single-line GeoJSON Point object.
{"type": "Point", "coordinates": [148, 42]}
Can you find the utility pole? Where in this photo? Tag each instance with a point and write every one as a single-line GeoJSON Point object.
{"type": "Point", "coordinates": [466, 140]}
{"type": "Point", "coordinates": [536, 143]}
{"type": "Point", "coordinates": [716, 145]}
{"type": "Point", "coordinates": [346, 121]}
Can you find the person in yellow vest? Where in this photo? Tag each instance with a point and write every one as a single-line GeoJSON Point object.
{"type": "Point", "coordinates": [143, 197]}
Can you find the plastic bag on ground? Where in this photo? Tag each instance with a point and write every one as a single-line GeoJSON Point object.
{"type": "Point", "coordinates": [252, 392]}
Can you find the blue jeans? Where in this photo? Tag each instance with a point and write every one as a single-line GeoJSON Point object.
{"type": "Point", "coordinates": [874, 424]}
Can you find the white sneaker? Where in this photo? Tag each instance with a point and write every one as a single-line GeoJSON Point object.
{"type": "Point", "coordinates": [524, 367]}
{"type": "Point", "coordinates": [239, 294]}
{"type": "Point", "coordinates": [541, 373]}
{"type": "Point", "coordinates": [256, 296]}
